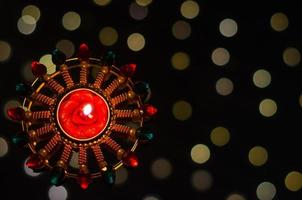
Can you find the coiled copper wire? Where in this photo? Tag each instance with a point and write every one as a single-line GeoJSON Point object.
{"type": "Point", "coordinates": [83, 74]}
{"type": "Point", "coordinates": [66, 153]}
{"type": "Point", "coordinates": [44, 130]}
{"type": "Point", "coordinates": [52, 143]}
{"type": "Point", "coordinates": [99, 156]}
{"type": "Point", "coordinates": [40, 115]}
{"type": "Point", "coordinates": [54, 85]}
{"type": "Point", "coordinates": [82, 156]}
{"type": "Point", "coordinates": [119, 99]}
{"type": "Point", "coordinates": [66, 76]}
{"type": "Point", "coordinates": [41, 98]}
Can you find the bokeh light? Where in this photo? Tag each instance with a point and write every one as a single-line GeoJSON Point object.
{"type": "Point", "coordinates": [266, 191]}
{"type": "Point", "coordinates": [33, 11]}
{"type": "Point", "coordinates": [138, 12]}
{"type": "Point", "coordinates": [291, 56]}
{"type": "Point", "coordinates": [66, 46]}
{"type": "Point", "coordinates": [235, 197]}
{"type": "Point", "coordinates": [181, 30]}
{"type": "Point", "coordinates": [220, 56]}
{"type": "Point", "coordinates": [182, 110]}
{"type": "Point", "coordinates": [57, 193]}
{"type": "Point", "coordinates": [10, 104]}
{"type": "Point", "coordinates": [5, 51]}
{"type": "Point", "coordinates": [71, 21]}
{"type": "Point", "coordinates": [279, 22]}
{"type": "Point", "coordinates": [220, 136]}
{"type": "Point", "coordinates": [74, 160]}
{"type": "Point", "coordinates": [102, 2]}
{"type": "Point", "coordinates": [228, 27]}
{"type": "Point", "coordinates": [3, 147]}
{"type": "Point", "coordinates": [224, 86]}
{"type": "Point", "coordinates": [136, 42]}
{"type": "Point", "coordinates": [143, 2]}
{"type": "Point", "coordinates": [108, 36]}
{"type": "Point", "coordinates": [262, 78]}
{"type": "Point", "coordinates": [200, 153]}
{"type": "Point", "coordinates": [180, 60]}
{"type": "Point", "coordinates": [151, 197]}
{"type": "Point", "coordinates": [258, 156]}
{"type": "Point", "coordinates": [121, 176]}
{"type": "Point", "coordinates": [268, 107]}
{"type": "Point", "coordinates": [29, 171]}
{"type": "Point", "coordinates": [293, 181]}
{"type": "Point", "coordinates": [202, 180]}
{"type": "Point", "coordinates": [189, 9]}
{"type": "Point", "coordinates": [26, 24]}
{"type": "Point", "coordinates": [161, 168]}
{"type": "Point", "coordinates": [47, 61]}
{"type": "Point", "coordinates": [26, 72]}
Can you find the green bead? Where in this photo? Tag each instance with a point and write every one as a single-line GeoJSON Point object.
{"type": "Point", "coordinates": [144, 134]}
{"type": "Point", "coordinates": [109, 176]}
{"type": "Point", "coordinates": [23, 89]}
{"type": "Point", "coordinates": [20, 139]}
{"type": "Point", "coordinates": [57, 176]}
{"type": "Point", "coordinates": [109, 58]}
{"type": "Point", "coordinates": [58, 57]}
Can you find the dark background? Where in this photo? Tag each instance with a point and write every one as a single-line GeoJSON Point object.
{"type": "Point", "coordinates": [256, 44]}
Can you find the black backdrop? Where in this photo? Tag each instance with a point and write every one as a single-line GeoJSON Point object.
{"type": "Point", "coordinates": [255, 45]}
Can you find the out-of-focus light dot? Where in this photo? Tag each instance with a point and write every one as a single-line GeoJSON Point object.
{"type": "Point", "coordinates": [300, 100]}
{"type": "Point", "coordinates": [143, 2]}
{"type": "Point", "coordinates": [71, 21]}
{"type": "Point", "coordinates": [200, 153]}
{"type": "Point", "coordinates": [181, 30]}
{"type": "Point", "coordinates": [279, 22]}
{"type": "Point", "coordinates": [27, 73]}
{"type": "Point", "coordinates": [74, 160]}
{"type": "Point", "coordinates": [66, 46]}
{"type": "Point", "coordinates": [182, 110]}
{"type": "Point", "coordinates": [136, 42]}
{"type": "Point", "coordinates": [291, 56]}
{"type": "Point", "coordinates": [161, 168]}
{"type": "Point", "coordinates": [47, 61]}
{"type": "Point", "coordinates": [266, 191]}
{"type": "Point", "coordinates": [24, 27]}
{"type": "Point", "coordinates": [3, 147]}
{"type": "Point", "coordinates": [33, 11]}
{"type": "Point", "coordinates": [121, 176]}
{"type": "Point", "coordinates": [29, 171]}
{"type": "Point", "coordinates": [220, 56]}
{"type": "Point", "coordinates": [102, 2]}
{"type": "Point", "coordinates": [180, 60]}
{"type": "Point", "coordinates": [235, 197]}
{"type": "Point", "coordinates": [268, 107]}
{"type": "Point", "coordinates": [138, 12]}
{"type": "Point", "coordinates": [220, 136]}
{"type": "Point", "coordinates": [293, 181]}
{"type": "Point", "coordinates": [224, 86]}
{"type": "Point", "coordinates": [10, 104]}
{"type": "Point", "coordinates": [151, 197]}
{"type": "Point", "coordinates": [5, 51]}
{"type": "Point", "coordinates": [258, 156]}
{"type": "Point", "coordinates": [57, 193]}
{"type": "Point", "coordinates": [189, 9]}
{"type": "Point", "coordinates": [228, 27]}
{"type": "Point", "coordinates": [262, 78]}
{"type": "Point", "coordinates": [108, 36]}
{"type": "Point", "coordinates": [201, 180]}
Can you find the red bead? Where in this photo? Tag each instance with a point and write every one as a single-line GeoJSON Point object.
{"type": "Point", "coordinates": [35, 161]}
{"type": "Point", "coordinates": [16, 113]}
{"type": "Point", "coordinates": [130, 159]}
{"type": "Point", "coordinates": [84, 180]}
{"type": "Point", "coordinates": [84, 52]}
{"type": "Point", "coordinates": [38, 69]}
{"type": "Point", "coordinates": [149, 110]}
{"type": "Point", "coordinates": [128, 70]}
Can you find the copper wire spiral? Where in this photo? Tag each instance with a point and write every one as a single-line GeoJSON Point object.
{"type": "Point", "coordinates": [83, 74]}
{"type": "Point", "coordinates": [66, 153]}
{"type": "Point", "coordinates": [126, 113]}
{"type": "Point", "coordinates": [44, 130]}
{"type": "Point", "coordinates": [99, 156]}
{"type": "Point", "coordinates": [112, 146]}
{"type": "Point", "coordinates": [121, 128]}
{"type": "Point", "coordinates": [41, 98]}
{"type": "Point", "coordinates": [52, 143]}
{"type": "Point", "coordinates": [66, 76]}
{"type": "Point", "coordinates": [41, 115]}
{"type": "Point", "coordinates": [100, 77]}
{"type": "Point", "coordinates": [54, 85]}
{"type": "Point", "coordinates": [82, 156]}
{"type": "Point", "coordinates": [119, 99]}
{"type": "Point", "coordinates": [113, 86]}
